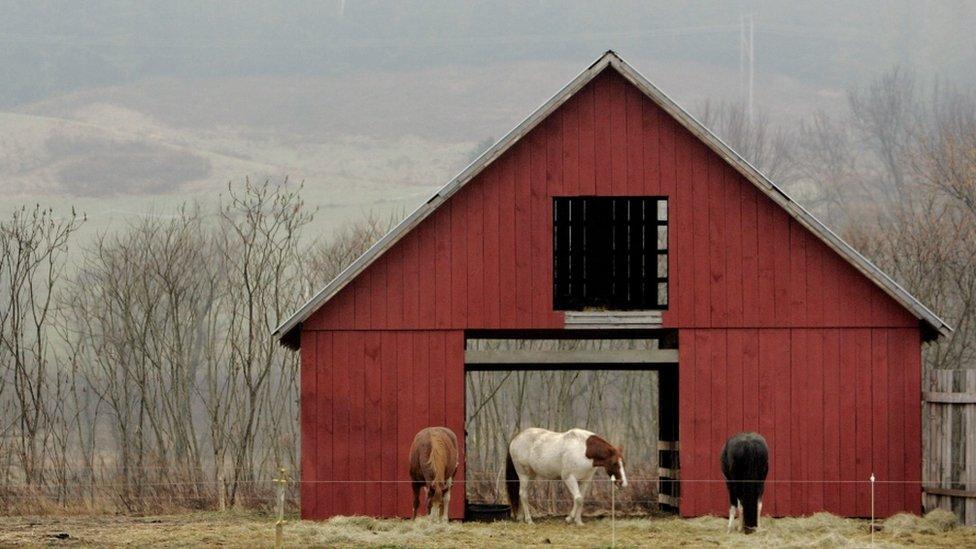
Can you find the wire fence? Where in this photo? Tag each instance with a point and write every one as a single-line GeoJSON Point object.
{"type": "Point", "coordinates": [204, 494]}
{"type": "Point", "coordinates": [458, 482]}
{"type": "Point", "coordinates": [281, 494]}
{"type": "Point", "coordinates": [605, 517]}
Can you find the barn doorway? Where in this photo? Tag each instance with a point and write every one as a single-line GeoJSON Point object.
{"type": "Point", "coordinates": [623, 386]}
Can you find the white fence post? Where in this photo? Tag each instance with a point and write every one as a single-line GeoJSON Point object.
{"type": "Point", "coordinates": [613, 513]}
{"type": "Point", "coordinates": [280, 483]}
{"type": "Point", "coordinates": [872, 508]}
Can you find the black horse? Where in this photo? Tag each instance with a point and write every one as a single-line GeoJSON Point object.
{"type": "Point", "coordinates": [745, 462]}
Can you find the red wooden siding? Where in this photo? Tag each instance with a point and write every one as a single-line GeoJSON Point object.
{"type": "Point", "coordinates": [777, 332]}
{"type": "Point", "coordinates": [833, 403]}
{"type": "Point", "coordinates": [365, 394]}
{"type": "Point", "coordinates": [483, 260]}
{"type": "Point", "coordinates": [818, 401]}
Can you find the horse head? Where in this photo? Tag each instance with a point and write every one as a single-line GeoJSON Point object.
{"type": "Point", "coordinates": [616, 467]}
{"type": "Point", "coordinates": [608, 456]}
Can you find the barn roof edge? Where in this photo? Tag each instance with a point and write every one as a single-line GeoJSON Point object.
{"type": "Point", "coordinates": [287, 331]}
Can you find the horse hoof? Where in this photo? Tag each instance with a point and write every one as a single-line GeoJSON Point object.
{"type": "Point", "coordinates": [569, 519]}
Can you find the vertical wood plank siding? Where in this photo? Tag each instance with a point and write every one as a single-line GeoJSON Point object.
{"type": "Point", "coordinates": [777, 332]}
{"type": "Point", "coordinates": [401, 382]}
{"type": "Point", "coordinates": [806, 411]}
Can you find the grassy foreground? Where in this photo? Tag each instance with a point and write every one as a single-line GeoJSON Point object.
{"type": "Point", "coordinates": [937, 529]}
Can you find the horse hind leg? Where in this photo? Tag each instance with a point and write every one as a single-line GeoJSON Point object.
{"type": "Point", "coordinates": [733, 503]}
{"type": "Point", "coordinates": [416, 497]}
{"type": "Point", "coordinates": [524, 498]}
{"type": "Point", "coordinates": [446, 501]}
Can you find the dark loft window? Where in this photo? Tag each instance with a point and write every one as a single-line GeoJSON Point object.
{"type": "Point", "coordinates": [610, 252]}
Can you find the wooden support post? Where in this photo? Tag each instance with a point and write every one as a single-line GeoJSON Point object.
{"type": "Point", "coordinates": [280, 484]}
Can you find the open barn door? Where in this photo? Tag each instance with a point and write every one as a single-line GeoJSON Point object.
{"type": "Point", "coordinates": [623, 388]}
{"type": "Point", "coordinates": [668, 445]}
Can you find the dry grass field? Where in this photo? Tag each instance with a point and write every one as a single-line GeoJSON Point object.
{"type": "Point", "coordinates": [938, 529]}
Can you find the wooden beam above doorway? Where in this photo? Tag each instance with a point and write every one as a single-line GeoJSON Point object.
{"type": "Point", "coordinates": [567, 351]}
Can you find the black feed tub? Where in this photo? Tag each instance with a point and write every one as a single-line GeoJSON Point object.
{"type": "Point", "coordinates": [487, 512]}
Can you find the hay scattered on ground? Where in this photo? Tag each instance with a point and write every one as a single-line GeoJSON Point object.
{"type": "Point", "coordinates": [250, 529]}
{"type": "Point", "coordinates": [936, 521]}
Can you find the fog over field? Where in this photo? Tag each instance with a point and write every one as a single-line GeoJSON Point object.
{"type": "Point", "coordinates": [128, 109]}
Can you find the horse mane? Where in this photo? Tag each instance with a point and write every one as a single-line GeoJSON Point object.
{"type": "Point", "coordinates": [437, 460]}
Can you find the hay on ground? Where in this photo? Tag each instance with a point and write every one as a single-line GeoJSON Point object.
{"type": "Point", "coordinates": [254, 529]}
{"type": "Point", "coordinates": [936, 521]}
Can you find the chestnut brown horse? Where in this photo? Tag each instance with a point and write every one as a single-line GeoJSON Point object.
{"type": "Point", "coordinates": [433, 462]}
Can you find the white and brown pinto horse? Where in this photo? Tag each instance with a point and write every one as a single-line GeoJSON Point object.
{"type": "Point", "coordinates": [573, 457]}
{"type": "Point", "coordinates": [433, 462]}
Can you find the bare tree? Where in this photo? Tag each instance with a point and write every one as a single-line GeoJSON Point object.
{"type": "Point", "coordinates": [168, 323]}
{"type": "Point", "coordinates": [326, 258]}
{"type": "Point", "coordinates": [769, 148]}
{"type": "Point", "coordinates": [920, 225]}
{"type": "Point", "coordinates": [260, 252]}
{"type": "Point", "coordinates": [33, 245]}
{"type": "Point", "coordinates": [136, 326]}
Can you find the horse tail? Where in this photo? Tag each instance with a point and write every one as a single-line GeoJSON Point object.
{"type": "Point", "coordinates": [512, 484]}
{"type": "Point", "coordinates": [752, 492]}
{"type": "Point", "coordinates": [750, 512]}
{"type": "Point", "coordinates": [437, 461]}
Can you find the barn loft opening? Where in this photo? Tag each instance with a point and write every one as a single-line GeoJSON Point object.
{"type": "Point", "coordinates": [623, 386]}
{"type": "Point", "coordinates": [610, 253]}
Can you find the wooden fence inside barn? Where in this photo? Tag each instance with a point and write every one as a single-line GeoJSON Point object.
{"type": "Point", "coordinates": [949, 442]}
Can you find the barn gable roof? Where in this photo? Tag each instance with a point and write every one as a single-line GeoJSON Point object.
{"type": "Point", "coordinates": [289, 331]}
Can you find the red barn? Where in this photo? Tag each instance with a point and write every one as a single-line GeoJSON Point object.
{"type": "Point", "coordinates": [608, 211]}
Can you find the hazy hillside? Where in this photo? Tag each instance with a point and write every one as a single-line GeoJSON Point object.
{"type": "Point", "coordinates": [130, 109]}
{"type": "Point", "coordinates": [374, 140]}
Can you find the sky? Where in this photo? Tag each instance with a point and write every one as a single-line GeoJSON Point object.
{"type": "Point", "coordinates": [130, 108]}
